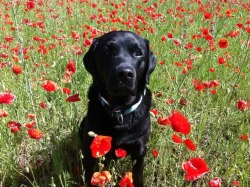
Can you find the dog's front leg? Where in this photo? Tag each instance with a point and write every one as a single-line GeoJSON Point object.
{"type": "Point", "coordinates": [137, 170]}
{"type": "Point", "coordinates": [89, 165]}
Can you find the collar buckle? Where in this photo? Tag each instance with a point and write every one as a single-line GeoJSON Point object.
{"type": "Point", "coordinates": [118, 115]}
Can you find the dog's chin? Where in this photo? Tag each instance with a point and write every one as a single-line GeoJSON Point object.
{"type": "Point", "coordinates": [120, 91]}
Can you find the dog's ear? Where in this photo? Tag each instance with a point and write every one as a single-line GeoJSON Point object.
{"type": "Point", "coordinates": [150, 64]}
{"type": "Point", "coordinates": [88, 59]}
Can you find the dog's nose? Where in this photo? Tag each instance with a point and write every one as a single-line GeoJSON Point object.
{"type": "Point", "coordinates": [125, 74]}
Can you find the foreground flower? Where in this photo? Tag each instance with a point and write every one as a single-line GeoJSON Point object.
{"type": "Point", "coordinates": [6, 98]}
{"type": "Point", "coordinates": [35, 134]}
{"type": "Point", "coordinates": [215, 182]}
{"type": "Point", "coordinates": [73, 98]}
{"type": "Point", "coordinates": [195, 168]}
{"type": "Point", "coordinates": [100, 178]}
{"type": "Point", "coordinates": [14, 126]}
{"type": "Point", "coordinates": [179, 122]}
{"type": "Point", "coordinates": [120, 153]}
{"type": "Point", "coordinates": [100, 146]}
{"type": "Point", "coordinates": [49, 86]}
{"type": "Point", "coordinates": [127, 180]}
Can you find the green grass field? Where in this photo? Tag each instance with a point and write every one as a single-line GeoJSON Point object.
{"type": "Point", "coordinates": [204, 78]}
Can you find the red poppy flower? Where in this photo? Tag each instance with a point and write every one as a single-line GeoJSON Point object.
{"type": "Point", "coordinates": [190, 144]}
{"type": "Point", "coordinates": [31, 116]}
{"type": "Point", "coordinates": [155, 153]}
{"type": "Point", "coordinates": [208, 15]}
{"type": "Point", "coordinates": [6, 98]}
{"type": "Point", "coordinates": [66, 91]}
{"type": "Point", "coordinates": [236, 183]}
{"type": "Point", "coordinates": [100, 146]}
{"type": "Point", "coordinates": [176, 138]}
{"type": "Point", "coordinates": [179, 122]}
{"type": "Point", "coordinates": [71, 67]}
{"type": "Point", "coordinates": [127, 180]}
{"type": "Point", "coordinates": [35, 134]}
{"type": "Point", "coordinates": [43, 105]}
{"type": "Point", "coordinates": [215, 182]}
{"type": "Point", "coordinates": [244, 137]}
{"type": "Point", "coordinates": [49, 86]}
{"type": "Point", "coordinates": [163, 121]}
{"type": "Point", "coordinates": [30, 124]}
{"type": "Point", "coordinates": [199, 87]}
{"type": "Point", "coordinates": [17, 69]}
{"type": "Point", "coordinates": [120, 153]}
{"type": "Point", "coordinates": [100, 178]}
{"type": "Point", "coordinates": [30, 5]}
{"type": "Point", "coordinates": [169, 101]}
{"type": "Point", "coordinates": [242, 105]}
{"type": "Point", "coordinates": [223, 43]}
{"type": "Point", "coordinates": [195, 168]}
{"type": "Point", "coordinates": [221, 60]}
{"type": "Point", "coordinates": [3, 113]}
{"type": "Point", "coordinates": [73, 98]}
{"type": "Point", "coordinates": [154, 112]}
{"type": "Point", "coordinates": [14, 126]}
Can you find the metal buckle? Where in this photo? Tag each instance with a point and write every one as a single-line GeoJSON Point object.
{"type": "Point", "coordinates": [118, 115]}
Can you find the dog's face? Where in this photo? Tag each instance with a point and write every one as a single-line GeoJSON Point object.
{"type": "Point", "coordinates": [120, 61]}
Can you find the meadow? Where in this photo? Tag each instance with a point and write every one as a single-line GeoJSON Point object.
{"type": "Point", "coordinates": [203, 73]}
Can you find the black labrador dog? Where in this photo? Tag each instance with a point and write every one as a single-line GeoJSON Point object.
{"type": "Point", "coordinates": [120, 63]}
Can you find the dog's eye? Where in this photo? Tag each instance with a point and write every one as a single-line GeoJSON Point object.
{"type": "Point", "coordinates": [138, 53]}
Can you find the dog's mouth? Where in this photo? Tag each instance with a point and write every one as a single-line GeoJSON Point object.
{"type": "Point", "coordinates": [122, 89]}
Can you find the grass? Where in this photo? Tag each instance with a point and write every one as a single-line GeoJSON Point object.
{"type": "Point", "coordinates": [217, 124]}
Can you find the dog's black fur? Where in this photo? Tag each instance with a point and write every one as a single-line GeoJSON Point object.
{"type": "Point", "coordinates": [120, 63]}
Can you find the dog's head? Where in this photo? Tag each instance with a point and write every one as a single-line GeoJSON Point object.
{"type": "Point", "coordinates": [120, 61]}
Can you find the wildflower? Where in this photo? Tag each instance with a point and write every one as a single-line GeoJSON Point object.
{"type": "Point", "coordinates": [14, 126]}
{"type": "Point", "coordinates": [189, 144]}
{"type": "Point", "coordinates": [6, 98]}
{"type": "Point", "coordinates": [66, 91]}
{"type": "Point", "coordinates": [208, 15]}
{"type": "Point", "coordinates": [17, 69]}
{"type": "Point", "coordinates": [244, 137]}
{"type": "Point", "coordinates": [155, 153]}
{"type": "Point", "coordinates": [215, 182]}
{"type": "Point", "coordinates": [236, 183]}
{"type": "Point", "coordinates": [35, 134]}
{"type": "Point", "coordinates": [49, 86]}
{"type": "Point", "coordinates": [223, 43]}
{"type": "Point", "coordinates": [100, 146]}
{"type": "Point", "coordinates": [127, 180]}
{"type": "Point", "coordinates": [179, 122]}
{"type": "Point", "coordinates": [71, 67]}
{"type": "Point", "coordinates": [195, 168]}
{"type": "Point", "coordinates": [120, 153]}
{"type": "Point", "coordinates": [30, 124]}
{"type": "Point", "coordinates": [3, 113]}
{"type": "Point", "coordinates": [154, 112]}
{"type": "Point", "coordinates": [177, 139]}
{"type": "Point", "coordinates": [221, 60]}
{"type": "Point", "coordinates": [30, 5]}
{"type": "Point", "coordinates": [73, 98]}
{"type": "Point", "coordinates": [100, 178]}
{"type": "Point", "coordinates": [163, 121]}
{"type": "Point", "coordinates": [242, 105]}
